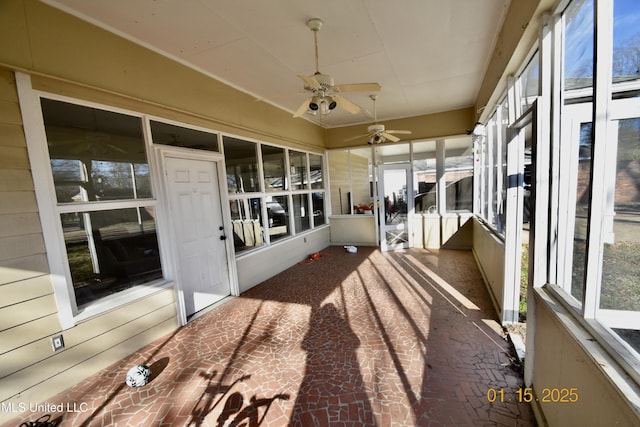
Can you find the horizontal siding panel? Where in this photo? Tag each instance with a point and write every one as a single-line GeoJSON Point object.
{"type": "Point", "coordinates": [22, 313]}
{"type": "Point", "coordinates": [21, 246]}
{"type": "Point", "coordinates": [18, 202]}
{"type": "Point", "coordinates": [10, 112]}
{"type": "Point", "coordinates": [116, 318]}
{"type": "Point", "coordinates": [91, 330]}
{"type": "Point", "coordinates": [14, 158]}
{"type": "Point", "coordinates": [8, 91]}
{"type": "Point", "coordinates": [19, 224]}
{"type": "Point", "coordinates": [11, 135]}
{"type": "Point", "coordinates": [15, 180]}
{"type": "Point", "coordinates": [29, 332]}
{"type": "Point", "coordinates": [24, 290]}
{"type": "Point", "coordinates": [25, 356]}
{"type": "Point", "coordinates": [100, 352]}
{"type": "Point", "coordinates": [16, 269]}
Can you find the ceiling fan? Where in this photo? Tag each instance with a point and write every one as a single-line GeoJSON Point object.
{"type": "Point", "coordinates": [376, 133]}
{"type": "Point", "coordinates": [325, 93]}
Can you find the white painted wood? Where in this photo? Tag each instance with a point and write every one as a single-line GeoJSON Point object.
{"type": "Point", "coordinates": [45, 196]}
{"type": "Point", "coordinates": [603, 33]}
{"type": "Point", "coordinates": [514, 213]}
{"type": "Point", "coordinates": [392, 178]}
{"type": "Point", "coordinates": [194, 197]}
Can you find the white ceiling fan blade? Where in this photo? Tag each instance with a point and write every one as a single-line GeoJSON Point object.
{"type": "Point", "coordinates": [310, 82]}
{"type": "Point", "coordinates": [357, 137]}
{"type": "Point", "coordinates": [346, 104]}
{"type": "Point", "coordinates": [303, 108]}
{"type": "Point", "coordinates": [399, 132]}
{"type": "Point", "coordinates": [390, 137]}
{"type": "Point", "coordinates": [358, 87]}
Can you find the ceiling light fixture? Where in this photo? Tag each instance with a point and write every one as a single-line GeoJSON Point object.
{"type": "Point", "coordinates": [324, 104]}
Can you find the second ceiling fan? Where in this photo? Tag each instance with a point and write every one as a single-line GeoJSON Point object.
{"type": "Point", "coordinates": [325, 93]}
{"type": "Point", "coordinates": [376, 133]}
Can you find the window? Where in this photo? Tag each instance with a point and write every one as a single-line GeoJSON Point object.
{"type": "Point", "coordinates": [527, 84]}
{"type": "Point", "coordinates": [273, 166]}
{"type": "Point", "coordinates": [285, 206]}
{"type": "Point", "coordinates": [298, 162]}
{"type": "Point", "coordinates": [301, 212]}
{"type": "Point", "coordinates": [104, 199]}
{"type": "Point", "coordinates": [178, 136]}
{"type": "Point", "coordinates": [424, 177]}
{"type": "Point", "coordinates": [598, 197]}
{"type": "Point", "coordinates": [459, 182]}
{"type": "Point", "coordinates": [242, 166]}
{"type": "Point", "coordinates": [491, 168]}
{"type": "Point", "coordinates": [315, 169]}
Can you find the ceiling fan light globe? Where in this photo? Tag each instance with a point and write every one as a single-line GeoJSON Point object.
{"type": "Point", "coordinates": [315, 103]}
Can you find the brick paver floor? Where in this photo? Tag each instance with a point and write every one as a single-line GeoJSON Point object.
{"type": "Point", "coordinates": [405, 338]}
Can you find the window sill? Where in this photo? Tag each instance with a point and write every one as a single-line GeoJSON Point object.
{"type": "Point", "coordinates": [114, 301]}
{"type": "Point", "coordinates": [604, 351]}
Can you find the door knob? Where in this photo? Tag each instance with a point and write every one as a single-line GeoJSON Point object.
{"type": "Point", "coordinates": [221, 228]}
{"type": "Point", "coordinates": [223, 237]}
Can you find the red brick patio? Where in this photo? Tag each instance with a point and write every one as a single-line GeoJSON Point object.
{"type": "Point", "coordinates": [387, 339]}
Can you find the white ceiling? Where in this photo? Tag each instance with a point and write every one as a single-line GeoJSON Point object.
{"type": "Point", "coordinates": [428, 55]}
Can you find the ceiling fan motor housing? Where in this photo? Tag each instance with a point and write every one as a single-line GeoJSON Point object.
{"type": "Point", "coordinates": [375, 128]}
{"type": "Point", "coordinates": [324, 80]}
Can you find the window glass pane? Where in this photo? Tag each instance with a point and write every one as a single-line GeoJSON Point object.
{"type": "Point", "coordinates": [110, 251]}
{"type": "Point", "coordinates": [459, 183]}
{"type": "Point", "coordinates": [582, 211]}
{"type": "Point", "coordinates": [626, 42]}
{"type": "Point", "coordinates": [95, 154]}
{"type": "Point", "coordinates": [246, 217]}
{"type": "Point", "coordinates": [620, 270]}
{"type": "Point", "coordinates": [273, 165]}
{"type": "Point", "coordinates": [317, 199]}
{"type": "Point", "coordinates": [528, 83]}
{"type": "Point", "coordinates": [578, 45]}
{"type": "Point", "coordinates": [278, 216]}
{"type": "Point", "coordinates": [496, 173]}
{"type": "Point", "coordinates": [298, 171]}
{"type": "Point", "coordinates": [301, 212]}
{"type": "Point", "coordinates": [178, 136]}
{"type": "Point", "coordinates": [315, 165]}
{"type": "Point", "coordinates": [242, 165]}
{"type": "Point", "coordinates": [501, 193]}
{"type": "Point", "coordinates": [119, 180]}
{"type": "Point", "coordinates": [485, 166]}
{"type": "Point", "coordinates": [424, 177]}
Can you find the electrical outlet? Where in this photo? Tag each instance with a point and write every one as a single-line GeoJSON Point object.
{"type": "Point", "coordinates": [57, 343]}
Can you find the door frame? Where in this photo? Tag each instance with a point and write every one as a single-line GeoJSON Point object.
{"type": "Point", "coordinates": [410, 208]}
{"type": "Point", "coordinates": [170, 257]}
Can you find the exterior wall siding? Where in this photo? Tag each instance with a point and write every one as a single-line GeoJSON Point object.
{"type": "Point", "coordinates": [29, 368]}
{"type": "Point", "coordinates": [489, 253]}
{"type": "Point", "coordinates": [66, 56]}
{"type": "Point", "coordinates": [567, 357]}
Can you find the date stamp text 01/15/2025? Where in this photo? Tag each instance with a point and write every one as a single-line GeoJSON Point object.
{"type": "Point", "coordinates": [548, 395]}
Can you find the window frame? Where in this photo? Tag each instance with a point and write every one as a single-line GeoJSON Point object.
{"type": "Point", "coordinates": [49, 209]}
{"type": "Point", "coordinates": [287, 192]}
{"type": "Point", "coordinates": [602, 112]}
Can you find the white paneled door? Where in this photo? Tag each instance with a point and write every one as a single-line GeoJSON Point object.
{"type": "Point", "coordinates": [198, 232]}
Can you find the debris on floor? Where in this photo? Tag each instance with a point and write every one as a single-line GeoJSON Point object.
{"type": "Point", "coordinates": [313, 257]}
